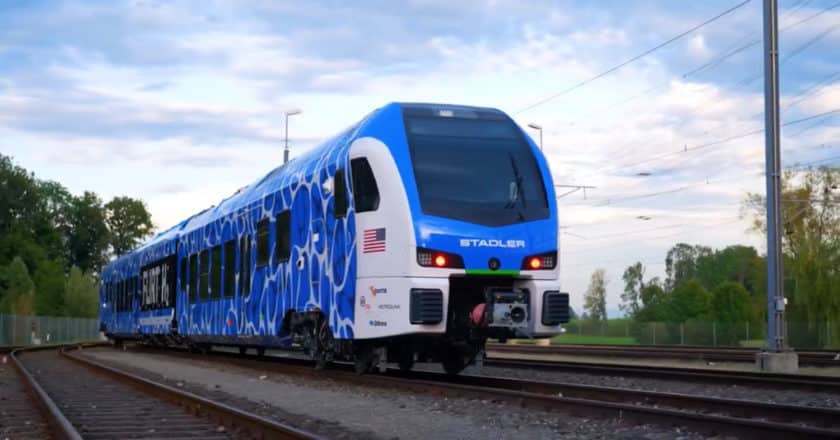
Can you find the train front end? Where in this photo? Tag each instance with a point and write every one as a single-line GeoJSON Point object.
{"type": "Point", "coordinates": [475, 226]}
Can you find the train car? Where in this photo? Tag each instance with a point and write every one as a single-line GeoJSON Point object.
{"type": "Point", "coordinates": [419, 232]}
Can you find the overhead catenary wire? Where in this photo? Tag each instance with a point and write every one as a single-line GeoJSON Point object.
{"type": "Point", "coordinates": [633, 59]}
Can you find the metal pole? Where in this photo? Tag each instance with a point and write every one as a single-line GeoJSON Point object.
{"type": "Point", "coordinates": [286, 150]}
{"type": "Point", "coordinates": [775, 296]}
{"type": "Point", "coordinates": [541, 139]}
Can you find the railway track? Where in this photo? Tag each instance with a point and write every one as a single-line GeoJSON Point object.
{"type": "Point", "coordinates": [746, 419]}
{"type": "Point", "coordinates": [817, 358]}
{"type": "Point", "coordinates": [81, 398]}
{"type": "Point", "coordinates": [800, 382]}
{"type": "Point", "coordinates": [20, 416]}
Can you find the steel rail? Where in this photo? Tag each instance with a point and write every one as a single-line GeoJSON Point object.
{"type": "Point", "coordinates": [730, 416]}
{"type": "Point", "coordinates": [781, 381]}
{"type": "Point", "coordinates": [823, 358]}
{"type": "Point", "coordinates": [254, 425]}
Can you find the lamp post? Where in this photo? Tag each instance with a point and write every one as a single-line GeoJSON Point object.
{"type": "Point", "coordinates": [537, 127]}
{"type": "Point", "coordinates": [286, 150]}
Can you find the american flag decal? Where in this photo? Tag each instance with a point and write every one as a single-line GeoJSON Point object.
{"type": "Point", "coordinates": [374, 241]}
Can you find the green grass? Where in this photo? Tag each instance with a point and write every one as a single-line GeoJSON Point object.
{"type": "Point", "coordinates": [754, 343]}
{"type": "Point", "coordinates": [583, 339]}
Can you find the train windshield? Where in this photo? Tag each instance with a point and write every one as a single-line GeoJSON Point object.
{"type": "Point", "coordinates": [478, 170]}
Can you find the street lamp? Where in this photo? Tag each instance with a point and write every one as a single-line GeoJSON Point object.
{"type": "Point", "coordinates": [286, 151]}
{"type": "Point", "coordinates": [537, 127]}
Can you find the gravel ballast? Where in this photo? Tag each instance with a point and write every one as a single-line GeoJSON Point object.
{"type": "Point", "coordinates": [340, 410]}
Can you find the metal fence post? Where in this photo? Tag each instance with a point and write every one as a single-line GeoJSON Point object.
{"type": "Point", "coordinates": [714, 334]}
{"type": "Point", "coordinates": [682, 333]}
{"type": "Point", "coordinates": [654, 332]}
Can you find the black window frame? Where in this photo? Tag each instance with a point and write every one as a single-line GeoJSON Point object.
{"type": "Point", "coordinates": [229, 268]}
{"type": "Point", "coordinates": [245, 265]}
{"type": "Point", "coordinates": [283, 236]}
{"type": "Point", "coordinates": [182, 275]}
{"type": "Point", "coordinates": [216, 272]}
{"type": "Point", "coordinates": [203, 274]}
{"type": "Point", "coordinates": [263, 234]}
{"type": "Point", "coordinates": [193, 279]}
{"type": "Point", "coordinates": [340, 194]}
{"type": "Point", "coordinates": [365, 189]}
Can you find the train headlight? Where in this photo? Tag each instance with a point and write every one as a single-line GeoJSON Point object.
{"type": "Point", "coordinates": [433, 258]}
{"type": "Point", "coordinates": [545, 261]}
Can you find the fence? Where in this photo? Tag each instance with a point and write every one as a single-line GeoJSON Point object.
{"type": "Point", "coordinates": [808, 335]}
{"type": "Point", "coordinates": [28, 330]}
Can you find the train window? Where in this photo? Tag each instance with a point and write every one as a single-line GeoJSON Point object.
{"type": "Point", "coordinates": [193, 285]}
{"type": "Point", "coordinates": [365, 191]}
{"type": "Point", "coordinates": [283, 236]}
{"type": "Point", "coordinates": [216, 272]}
{"type": "Point", "coordinates": [182, 275]}
{"type": "Point", "coordinates": [263, 252]}
{"type": "Point", "coordinates": [490, 176]}
{"type": "Point", "coordinates": [135, 293]}
{"type": "Point", "coordinates": [121, 296]}
{"type": "Point", "coordinates": [230, 268]}
{"type": "Point", "coordinates": [340, 194]}
{"type": "Point", "coordinates": [203, 274]}
{"type": "Point", "coordinates": [245, 265]}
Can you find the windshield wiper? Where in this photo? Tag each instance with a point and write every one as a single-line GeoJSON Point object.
{"type": "Point", "coordinates": [519, 192]}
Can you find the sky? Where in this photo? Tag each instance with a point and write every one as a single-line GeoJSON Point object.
{"type": "Point", "coordinates": [180, 103]}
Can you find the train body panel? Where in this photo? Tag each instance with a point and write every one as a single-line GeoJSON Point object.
{"type": "Point", "coordinates": [421, 219]}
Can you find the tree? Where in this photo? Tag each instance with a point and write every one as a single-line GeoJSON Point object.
{"type": "Point", "coordinates": [595, 299]}
{"type": "Point", "coordinates": [81, 295]}
{"type": "Point", "coordinates": [731, 303]}
{"type": "Point", "coordinates": [88, 237]}
{"type": "Point", "coordinates": [731, 309]}
{"type": "Point", "coordinates": [655, 303]}
{"type": "Point", "coordinates": [19, 291]}
{"type": "Point", "coordinates": [49, 289]}
{"type": "Point", "coordinates": [681, 264]}
{"type": "Point", "coordinates": [810, 209]}
{"type": "Point", "coordinates": [689, 300]}
{"type": "Point", "coordinates": [129, 222]}
{"type": "Point", "coordinates": [633, 284]}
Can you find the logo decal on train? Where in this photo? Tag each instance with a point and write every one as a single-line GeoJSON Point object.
{"type": "Point", "coordinates": [477, 242]}
{"type": "Point", "coordinates": [377, 291]}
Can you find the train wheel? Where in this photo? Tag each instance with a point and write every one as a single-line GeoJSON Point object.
{"type": "Point", "coordinates": [366, 358]}
{"type": "Point", "coordinates": [455, 359]}
{"type": "Point", "coordinates": [243, 350]}
{"type": "Point", "coordinates": [406, 362]}
{"type": "Point", "coordinates": [326, 346]}
{"type": "Point", "coordinates": [261, 351]}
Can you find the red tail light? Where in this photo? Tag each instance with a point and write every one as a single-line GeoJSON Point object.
{"type": "Point", "coordinates": [546, 261]}
{"type": "Point", "coordinates": [440, 260]}
{"type": "Point", "coordinates": [433, 258]}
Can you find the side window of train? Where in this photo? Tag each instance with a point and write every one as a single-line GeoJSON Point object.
{"type": "Point", "coordinates": [365, 191]}
{"type": "Point", "coordinates": [263, 251]}
{"type": "Point", "coordinates": [203, 273]}
{"type": "Point", "coordinates": [136, 292]}
{"type": "Point", "coordinates": [340, 194]}
{"type": "Point", "coordinates": [121, 297]}
{"type": "Point", "coordinates": [230, 268]}
{"type": "Point", "coordinates": [283, 236]}
{"type": "Point", "coordinates": [183, 274]}
{"type": "Point", "coordinates": [245, 265]}
{"type": "Point", "coordinates": [193, 286]}
{"type": "Point", "coordinates": [216, 272]}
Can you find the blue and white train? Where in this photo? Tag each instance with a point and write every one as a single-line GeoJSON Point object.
{"type": "Point", "coordinates": [419, 232]}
